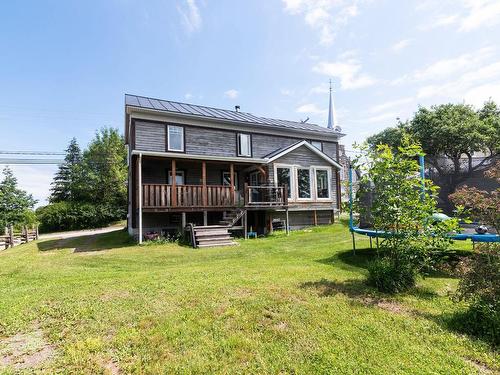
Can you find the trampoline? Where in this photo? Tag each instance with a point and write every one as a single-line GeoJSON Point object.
{"type": "Point", "coordinates": [372, 233]}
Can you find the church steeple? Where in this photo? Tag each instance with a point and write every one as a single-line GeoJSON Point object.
{"type": "Point", "coordinates": [332, 117]}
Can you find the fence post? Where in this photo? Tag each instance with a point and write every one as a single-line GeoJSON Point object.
{"type": "Point", "coordinates": [11, 235]}
{"type": "Point", "coordinates": [26, 236]}
{"type": "Point", "coordinates": [36, 234]}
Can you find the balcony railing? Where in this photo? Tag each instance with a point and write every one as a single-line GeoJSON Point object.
{"type": "Point", "coordinates": [158, 196]}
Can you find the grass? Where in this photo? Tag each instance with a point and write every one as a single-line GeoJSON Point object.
{"type": "Point", "coordinates": [281, 304]}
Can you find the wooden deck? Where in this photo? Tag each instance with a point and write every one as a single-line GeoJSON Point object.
{"type": "Point", "coordinates": [166, 197]}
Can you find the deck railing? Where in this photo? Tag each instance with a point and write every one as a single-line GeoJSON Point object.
{"type": "Point", "coordinates": [266, 195]}
{"type": "Point", "coordinates": [209, 196]}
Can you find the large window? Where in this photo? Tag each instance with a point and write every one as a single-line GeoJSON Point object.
{"type": "Point", "coordinates": [244, 145]}
{"type": "Point", "coordinates": [322, 184]}
{"type": "Point", "coordinates": [283, 176]}
{"type": "Point", "coordinates": [175, 138]}
{"type": "Point", "coordinates": [303, 183]}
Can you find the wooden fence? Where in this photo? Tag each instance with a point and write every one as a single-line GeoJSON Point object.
{"type": "Point", "coordinates": [12, 238]}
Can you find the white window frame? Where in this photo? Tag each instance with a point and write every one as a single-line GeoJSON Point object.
{"type": "Point", "coordinates": [291, 186]}
{"type": "Point", "coordinates": [311, 184]}
{"type": "Point", "coordinates": [329, 176]}
{"type": "Point", "coordinates": [238, 144]}
{"type": "Point", "coordinates": [168, 138]}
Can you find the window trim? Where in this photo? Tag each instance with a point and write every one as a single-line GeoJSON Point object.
{"type": "Point", "coordinates": [183, 138]}
{"type": "Point", "coordinates": [329, 177]}
{"type": "Point", "coordinates": [311, 184]}
{"type": "Point", "coordinates": [291, 186]}
{"type": "Point", "coordinates": [249, 145]}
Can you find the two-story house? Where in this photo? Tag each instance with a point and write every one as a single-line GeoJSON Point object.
{"type": "Point", "coordinates": [217, 169]}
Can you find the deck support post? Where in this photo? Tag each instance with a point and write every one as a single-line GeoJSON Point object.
{"type": "Point", "coordinates": [287, 222]}
{"type": "Point", "coordinates": [245, 225]}
{"type": "Point", "coordinates": [183, 221]}
{"type": "Point", "coordinates": [270, 223]}
{"type": "Point", "coordinates": [173, 172]}
{"type": "Point", "coordinates": [204, 183]}
{"type": "Point", "coordinates": [139, 180]}
{"type": "Point", "coordinates": [315, 218]}
{"type": "Point", "coordinates": [205, 218]}
{"type": "Point", "coordinates": [231, 176]}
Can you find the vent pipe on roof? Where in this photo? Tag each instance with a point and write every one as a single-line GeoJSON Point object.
{"type": "Point", "coordinates": [237, 108]}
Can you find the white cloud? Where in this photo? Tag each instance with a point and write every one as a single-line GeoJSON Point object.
{"type": "Point", "coordinates": [188, 96]}
{"type": "Point", "coordinates": [478, 95]}
{"type": "Point", "coordinates": [231, 94]}
{"type": "Point", "coordinates": [398, 46]}
{"type": "Point", "coordinates": [325, 16]}
{"type": "Point", "coordinates": [311, 109]}
{"type": "Point", "coordinates": [467, 15]}
{"type": "Point", "coordinates": [390, 104]}
{"type": "Point", "coordinates": [444, 68]}
{"type": "Point", "coordinates": [320, 89]}
{"type": "Point", "coordinates": [190, 16]}
{"type": "Point", "coordinates": [348, 71]}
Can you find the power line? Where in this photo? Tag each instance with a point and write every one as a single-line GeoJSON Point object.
{"type": "Point", "coordinates": [4, 152]}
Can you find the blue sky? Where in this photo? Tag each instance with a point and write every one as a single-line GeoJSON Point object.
{"type": "Point", "coordinates": [65, 65]}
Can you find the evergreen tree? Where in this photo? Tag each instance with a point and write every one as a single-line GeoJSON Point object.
{"type": "Point", "coordinates": [105, 163]}
{"type": "Point", "coordinates": [15, 204]}
{"type": "Point", "coordinates": [67, 181]}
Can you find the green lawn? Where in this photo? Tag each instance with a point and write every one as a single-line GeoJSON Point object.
{"type": "Point", "coordinates": [294, 304]}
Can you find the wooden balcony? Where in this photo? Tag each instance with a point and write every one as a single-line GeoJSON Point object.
{"type": "Point", "coordinates": [159, 197]}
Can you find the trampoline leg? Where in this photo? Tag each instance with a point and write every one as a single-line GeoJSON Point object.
{"type": "Point", "coordinates": [353, 244]}
{"type": "Point", "coordinates": [371, 246]}
{"type": "Point", "coordinates": [377, 243]}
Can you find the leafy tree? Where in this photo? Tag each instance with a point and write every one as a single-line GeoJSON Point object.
{"type": "Point", "coordinates": [105, 163]}
{"type": "Point", "coordinates": [402, 205]}
{"type": "Point", "coordinates": [15, 204]}
{"type": "Point", "coordinates": [67, 184]}
{"type": "Point", "coordinates": [450, 134]}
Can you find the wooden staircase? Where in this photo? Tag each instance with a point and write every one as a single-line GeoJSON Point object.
{"type": "Point", "coordinates": [212, 235]}
{"type": "Point", "coordinates": [216, 235]}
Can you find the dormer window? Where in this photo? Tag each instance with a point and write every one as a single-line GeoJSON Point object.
{"type": "Point", "coordinates": [317, 144]}
{"type": "Point", "coordinates": [244, 144]}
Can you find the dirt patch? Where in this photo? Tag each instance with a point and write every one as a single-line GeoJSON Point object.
{"type": "Point", "coordinates": [115, 295]}
{"type": "Point", "coordinates": [25, 350]}
{"type": "Point", "coordinates": [110, 368]}
{"type": "Point", "coordinates": [481, 368]}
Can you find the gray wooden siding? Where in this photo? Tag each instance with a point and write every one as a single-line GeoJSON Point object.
{"type": "Point", "coordinates": [215, 142]}
{"type": "Point", "coordinates": [212, 142]}
{"type": "Point", "coordinates": [150, 136]}
{"type": "Point", "coordinates": [304, 157]}
{"type": "Point", "coordinates": [330, 148]}
{"type": "Point", "coordinates": [302, 219]}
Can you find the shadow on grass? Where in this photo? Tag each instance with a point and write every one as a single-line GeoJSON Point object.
{"type": "Point", "coordinates": [356, 289]}
{"type": "Point", "coordinates": [89, 243]}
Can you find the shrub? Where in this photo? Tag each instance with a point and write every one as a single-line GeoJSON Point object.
{"type": "Point", "coordinates": [480, 286]}
{"type": "Point", "coordinates": [63, 216]}
{"type": "Point", "coordinates": [391, 277]}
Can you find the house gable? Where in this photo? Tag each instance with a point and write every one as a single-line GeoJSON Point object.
{"type": "Point", "coordinates": [302, 153]}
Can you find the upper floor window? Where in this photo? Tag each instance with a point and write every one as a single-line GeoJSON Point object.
{"type": "Point", "coordinates": [244, 145]}
{"type": "Point", "coordinates": [175, 138]}
{"type": "Point", "coordinates": [317, 144]}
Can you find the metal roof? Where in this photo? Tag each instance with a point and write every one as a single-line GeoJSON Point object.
{"type": "Point", "coordinates": [223, 114]}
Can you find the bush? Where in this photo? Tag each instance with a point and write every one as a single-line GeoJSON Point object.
{"type": "Point", "coordinates": [64, 216]}
{"type": "Point", "coordinates": [480, 286]}
{"type": "Point", "coordinates": [390, 276]}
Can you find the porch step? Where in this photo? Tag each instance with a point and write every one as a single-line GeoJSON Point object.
{"type": "Point", "coordinates": [221, 243]}
{"type": "Point", "coordinates": [213, 235]}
